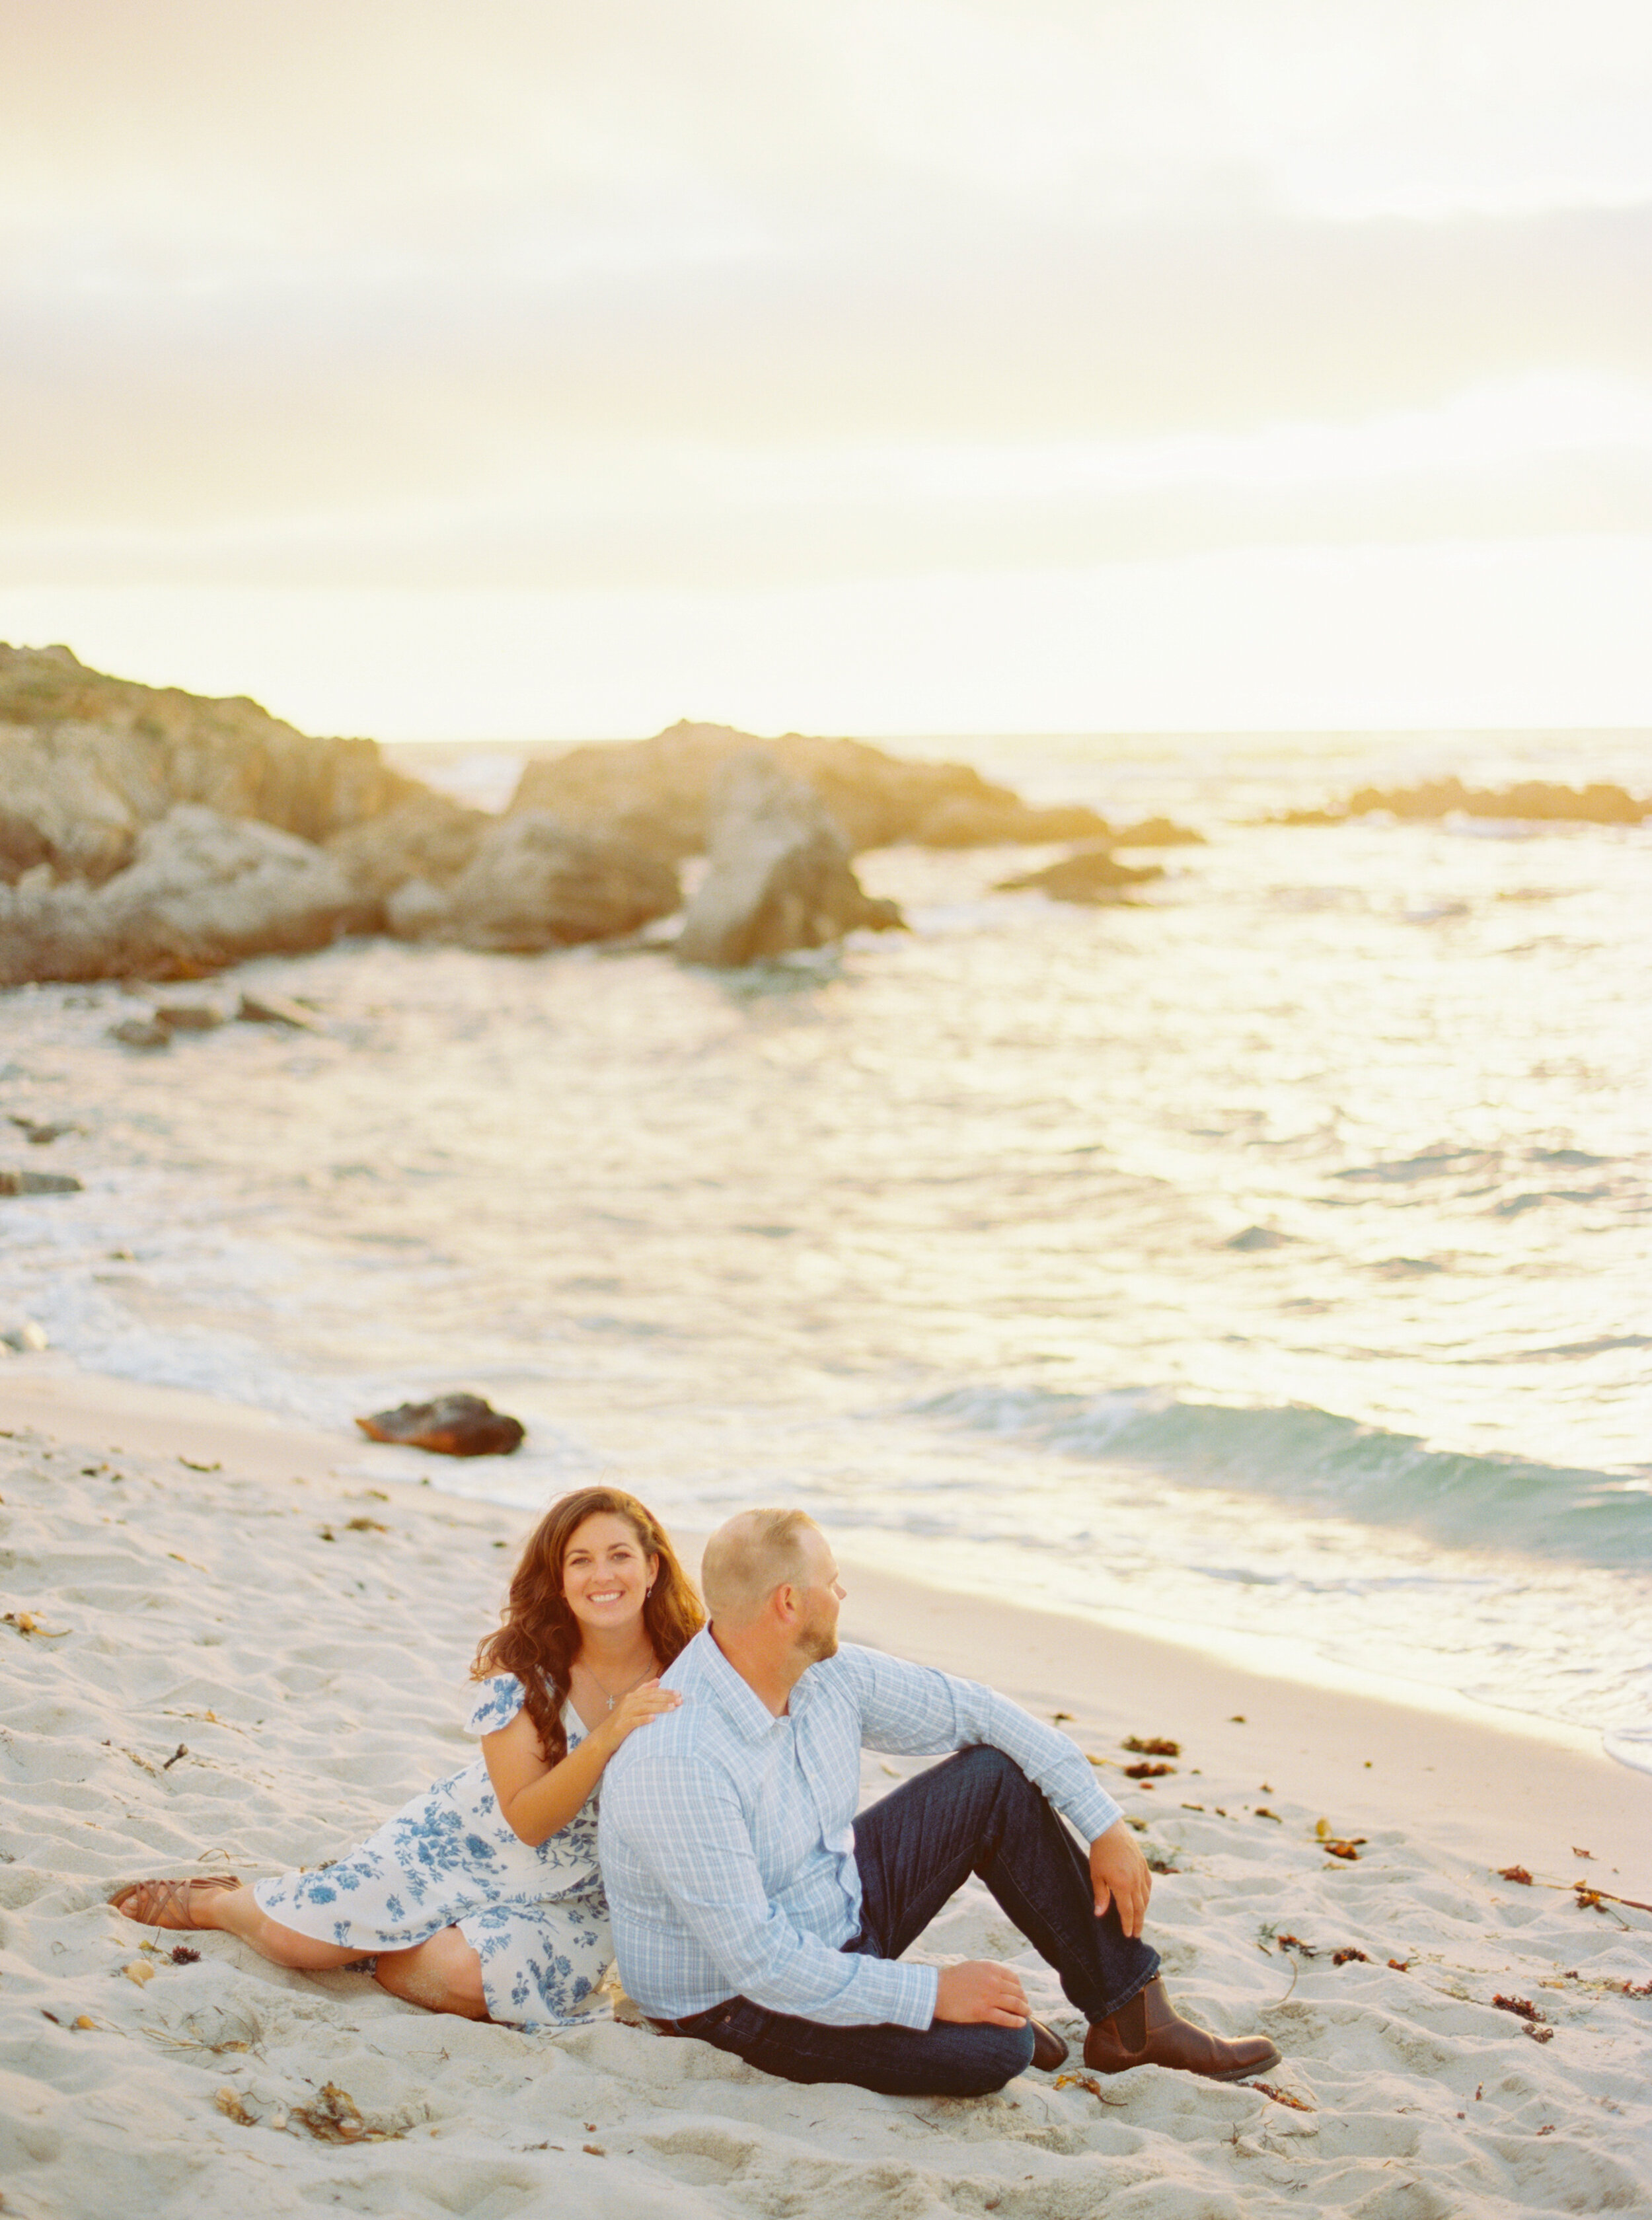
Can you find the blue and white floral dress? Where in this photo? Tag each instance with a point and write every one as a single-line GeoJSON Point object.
{"type": "Point", "coordinates": [536, 1916]}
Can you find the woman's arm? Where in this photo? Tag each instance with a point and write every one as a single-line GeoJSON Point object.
{"type": "Point", "coordinates": [539, 1799]}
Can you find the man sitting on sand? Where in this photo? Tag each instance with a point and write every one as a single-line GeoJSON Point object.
{"type": "Point", "coordinates": [753, 1909]}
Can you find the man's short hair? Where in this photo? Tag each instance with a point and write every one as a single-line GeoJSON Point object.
{"type": "Point", "coordinates": [749, 1557]}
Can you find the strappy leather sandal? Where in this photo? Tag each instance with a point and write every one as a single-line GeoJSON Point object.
{"type": "Point", "coordinates": [165, 1904]}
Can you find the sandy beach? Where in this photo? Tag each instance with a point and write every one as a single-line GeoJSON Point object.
{"type": "Point", "coordinates": [227, 1645]}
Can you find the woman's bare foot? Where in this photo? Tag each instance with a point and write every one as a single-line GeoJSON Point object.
{"type": "Point", "coordinates": [166, 1903]}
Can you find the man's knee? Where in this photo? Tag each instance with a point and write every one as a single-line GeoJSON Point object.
{"type": "Point", "coordinates": [990, 2057]}
{"type": "Point", "coordinates": [997, 1775]}
{"type": "Point", "coordinates": [981, 1761]}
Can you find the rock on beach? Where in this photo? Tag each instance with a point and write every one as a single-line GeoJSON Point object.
{"type": "Point", "coordinates": [456, 1425]}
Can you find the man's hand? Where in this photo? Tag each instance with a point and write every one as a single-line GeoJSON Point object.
{"type": "Point", "coordinates": [981, 1992]}
{"type": "Point", "coordinates": [1119, 1874]}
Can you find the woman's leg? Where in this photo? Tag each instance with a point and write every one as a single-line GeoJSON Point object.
{"type": "Point", "coordinates": [444, 1975]}
{"type": "Point", "coordinates": [195, 1904]}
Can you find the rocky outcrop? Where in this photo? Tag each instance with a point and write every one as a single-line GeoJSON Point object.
{"type": "Point", "coordinates": [533, 884]}
{"type": "Point", "coordinates": [456, 1425]}
{"type": "Point", "coordinates": [658, 792]}
{"type": "Point", "coordinates": [778, 876]}
{"type": "Point", "coordinates": [426, 836]}
{"type": "Point", "coordinates": [1090, 875]}
{"type": "Point", "coordinates": [86, 761]}
{"type": "Point", "coordinates": [1533, 801]}
{"type": "Point", "coordinates": [202, 890]}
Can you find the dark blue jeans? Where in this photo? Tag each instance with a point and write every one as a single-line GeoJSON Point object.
{"type": "Point", "coordinates": [976, 1813]}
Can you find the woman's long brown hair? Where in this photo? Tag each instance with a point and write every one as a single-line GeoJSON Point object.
{"type": "Point", "coordinates": [539, 1639]}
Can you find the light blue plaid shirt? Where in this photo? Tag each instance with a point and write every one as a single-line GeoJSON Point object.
{"type": "Point", "coordinates": [727, 1838]}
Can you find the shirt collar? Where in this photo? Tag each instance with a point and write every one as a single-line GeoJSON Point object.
{"type": "Point", "coordinates": [745, 1710]}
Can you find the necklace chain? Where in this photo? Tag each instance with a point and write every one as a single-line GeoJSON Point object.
{"type": "Point", "coordinates": [611, 1700]}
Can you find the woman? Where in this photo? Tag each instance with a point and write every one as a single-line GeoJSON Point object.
{"type": "Point", "coordinates": [482, 1896]}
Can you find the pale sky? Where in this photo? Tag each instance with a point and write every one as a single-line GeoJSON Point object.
{"type": "Point", "coordinates": [883, 365]}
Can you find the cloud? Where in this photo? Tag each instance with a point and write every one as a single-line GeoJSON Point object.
{"type": "Point", "coordinates": [594, 423]}
{"type": "Point", "coordinates": [531, 297]}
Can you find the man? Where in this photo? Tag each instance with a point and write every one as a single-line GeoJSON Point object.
{"type": "Point", "coordinates": [752, 1908]}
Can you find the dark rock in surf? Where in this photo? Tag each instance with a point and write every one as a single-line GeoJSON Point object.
{"type": "Point", "coordinates": [456, 1425]}
{"type": "Point", "coordinates": [273, 1010]}
{"type": "Point", "coordinates": [1531, 801]}
{"type": "Point", "coordinates": [1255, 1238]}
{"type": "Point", "coordinates": [34, 1130]}
{"type": "Point", "coordinates": [16, 1182]}
{"type": "Point", "coordinates": [1089, 875]}
{"type": "Point", "coordinates": [141, 1033]}
{"type": "Point", "coordinates": [778, 876]}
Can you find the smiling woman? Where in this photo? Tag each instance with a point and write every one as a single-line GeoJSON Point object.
{"type": "Point", "coordinates": [482, 1897]}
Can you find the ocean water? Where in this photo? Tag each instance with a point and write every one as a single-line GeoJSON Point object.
{"type": "Point", "coordinates": [1265, 1262]}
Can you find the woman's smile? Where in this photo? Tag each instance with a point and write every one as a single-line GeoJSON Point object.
{"type": "Point", "coordinates": [605, 1573]}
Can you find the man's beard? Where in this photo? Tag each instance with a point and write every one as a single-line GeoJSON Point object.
{"type": "Point", "coordinates": [818, 1643]}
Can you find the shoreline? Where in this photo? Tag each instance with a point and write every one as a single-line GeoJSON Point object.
{"type": "Point", "coordinates": [1496, 1787]}
{"type": "Point", "coordinates": [220, 1651]}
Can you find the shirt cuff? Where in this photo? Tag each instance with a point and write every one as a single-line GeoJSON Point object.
{"type": "Point", "coordinates": [880, 1992]}
{"type": "Point", "coordinates": [920, 1987]}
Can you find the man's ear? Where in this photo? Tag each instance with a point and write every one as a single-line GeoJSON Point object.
{"type": "Point", "coordinates": [784, 1603]}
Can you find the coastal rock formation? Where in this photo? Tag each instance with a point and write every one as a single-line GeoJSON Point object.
{"type": "Point", "coordinates": [202, 890]}
{"type": "Point", "coordinates": [424, 836]}
{"type": "Point", "coordinates": [456, 1425]}
{"type": "Point", "coordinates": [86, 761]}
{"type": "Point", "coordinates": [778, 876]}
{"type": "Point", "coordinates": [1532, 800]}
{"type": "Point", "coordinates": [1089, 874]}
{"type": "Point", "coordinates": [534, 882]}
{"type": "Point", "coordinates": [658, 792]}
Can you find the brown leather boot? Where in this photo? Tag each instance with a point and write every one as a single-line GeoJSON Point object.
{"type": "Point", "coordinates": [1148, 2032]}
{"type": "Point", "coordinates": [1049, 2051]}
